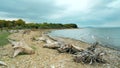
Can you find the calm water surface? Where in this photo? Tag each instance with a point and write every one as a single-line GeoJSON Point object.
{"type": "Point", "coordinates": [106, 36]}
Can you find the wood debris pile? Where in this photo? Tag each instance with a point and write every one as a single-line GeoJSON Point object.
{"type": "Point", "coordinates": [89, 55]}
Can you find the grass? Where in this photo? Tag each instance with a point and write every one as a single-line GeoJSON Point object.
{"type": "Point", "coordinates": [33, 47]}
{"type": "Point", "coordinates": [3, 38]}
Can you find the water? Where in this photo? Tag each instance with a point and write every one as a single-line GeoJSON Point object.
{"type": "Point", "coordinates": [106, 36]}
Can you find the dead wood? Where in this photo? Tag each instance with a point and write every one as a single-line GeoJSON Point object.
{"type": "Point", "coordinates": [68, 48]}
{"type": "Point", "coordinates": [90, 55]}
{"type": "Point", "coordinates": [53, 45]}
{"type": "Point", "coordinates": [2, 63]}
{"type": "Point", "coordinates": [61, 46]}
{"type": "Point", "coordinates": [92, 47]}
{"type": "Point", "coordinates": [21, 47]}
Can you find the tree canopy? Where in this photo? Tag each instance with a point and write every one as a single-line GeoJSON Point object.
{"type": "Point", "coordinates": [20, 24]}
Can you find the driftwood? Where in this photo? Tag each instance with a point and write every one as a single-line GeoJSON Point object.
{"type": "Point", "coordinates": [21, 47]}
{"type": "Point", "coordinates": [27, 31]}
{"type": "Point", "coordinates": [2, 63]}
{"type": "Point", "coordinates": [42, 38]}
{"type": "Point", "coordinates": [68, 48]}
{"type": "Point", "coordinates": [90, 55]}
{"type": "Point", "coordinates": [47, 38]}
{"type": "Point", "coordinates": [50, 42]}
{"type": "Point", "coordinates": [92, 48]}
{"type": "Point", "coordinates": [61, 46]}
{"type": "Point", "coordinates": [53, 45]}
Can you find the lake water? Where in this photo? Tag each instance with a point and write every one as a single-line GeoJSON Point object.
{"type": "Point", "coordinates": [106, 36]}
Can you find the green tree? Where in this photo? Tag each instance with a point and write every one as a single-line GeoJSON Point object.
{"type": "Point", "coordinates": [20, 22]}
{"type": "Point", "coordinates": [70, 26]}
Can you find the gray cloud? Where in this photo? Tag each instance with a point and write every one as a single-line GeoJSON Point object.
{"type": "Point", "coordinates": [28, 9]}
{"type": "Point", "coordinates": [81, 12]}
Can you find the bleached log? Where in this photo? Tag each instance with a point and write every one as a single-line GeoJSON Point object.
{"type": "Point", "coordinates": [52, 45]}
{"type": "Point", "coordinates": [47, 38]}
{"type": "Point", "coordinates": [76, 48]}
{"type": "Point", "coordinates": [21, 47]}
{"type": "Point", "coordinates": [50, 42]}
{"type": "Point", "coordinates": [69, 49]}
{"type": "Point", "coordinates": [3, 63]}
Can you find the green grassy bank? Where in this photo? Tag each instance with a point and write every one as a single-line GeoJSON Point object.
{"type": "Point", "coordinates": [3, 38]}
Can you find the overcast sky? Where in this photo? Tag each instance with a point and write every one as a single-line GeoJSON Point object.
{"type": "Point", "coordinates": [98, 13]}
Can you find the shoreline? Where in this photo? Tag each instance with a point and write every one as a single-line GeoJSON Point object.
{"type": "Point", "coordinates": [107, 46]}
{"type": "Point", "coordinates": [84, 42]}
{"type": "Point", "coordinates": [111, 52]}
{"type": "Point", "coordinates": [47, 58]}
{"type": "Point", "coordinates": [90, 44]}
{"type": "Point", "coordinates": [112, 55]}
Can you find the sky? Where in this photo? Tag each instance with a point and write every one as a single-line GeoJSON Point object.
{"type": "Point", "coordinates": [84, 13]}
